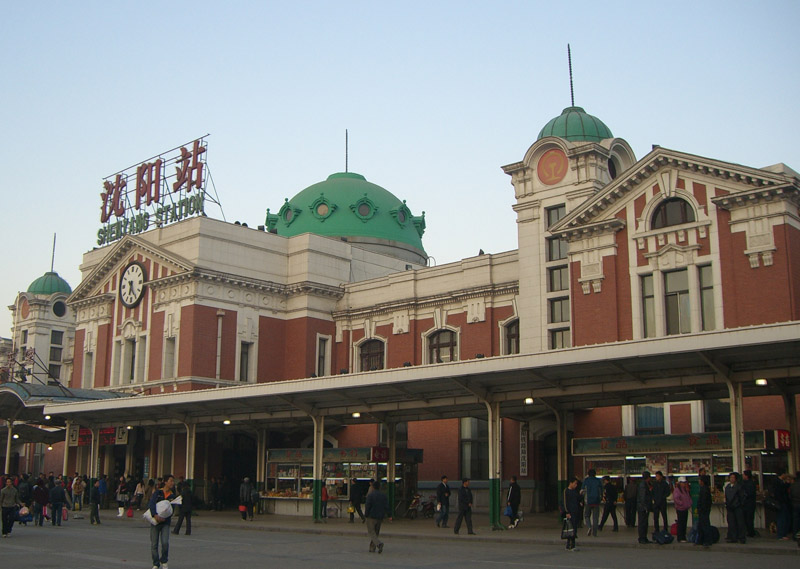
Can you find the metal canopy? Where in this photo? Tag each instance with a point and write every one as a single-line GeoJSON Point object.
{"type": "Point", "coordinates": [31, 434]}
{"type": "Point", "coordinates": [675, 368]}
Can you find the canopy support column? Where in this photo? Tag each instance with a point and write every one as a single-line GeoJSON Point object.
{"type": "Point", "coordinates": [495, 478]}
{"type": "Point", "coordinates": [319, 434]}
{"type": "Point", "coordinates": [790, 407]}
{"type": "Point", "coordinates": [10, 424]}
{"type": "Point", "coordinates": [737, 425]}
{"type": "Point", "coordinates": [391, 462]}
{"type": "Point", "coordinates": [67, 427]}
{"type": "Point", "coordinates": [191, 440]}
{"type": "Point", "coordinates": [95, 456]}
{"type": "Point", "coordinates": [562, 465]}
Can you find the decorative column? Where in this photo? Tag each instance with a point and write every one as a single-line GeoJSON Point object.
{"type": "Point", "coordinates": [495, 425]}
{"type": "Point", "coordinates": [319, 433]}
{"type": "Point", "coordinates": [737, 425]}
{"type": "Point", "coordinates": [95, 456]}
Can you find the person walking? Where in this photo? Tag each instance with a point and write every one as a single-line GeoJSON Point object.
{"type": "Point", "coordinates": [749, 491]}
{"type": "Point", "coordinates": [77, 494]}
{"type": "Point", "coordinates": [513, 499]}
{"type": "Point", "coordinates": [41, 498]}
{"type": "Point", "coordinates": [185, 513]}
{"type": "Point", "coordinates": [138, 494]}
{"type": "Point", "coordinates": [375, 510]}
{"type": "Point", "coordinates": [9, 502]}
{"type": "Point", "coordinates": [443, 500]}
{"type": "Point", "coordinates": [661, 492]}
{"type": "Point", "coordinates": [246, 499]}
{"type": "Point", "coordinates": [734, 503]}
{"type": "Point", "coordinates": [780, 491]}
{"type": "Point", "coordinates": [103, 490]}
{"type": "Point", "coordinates": [704, 502]}
{"type": "Point", "coordinates": [160, 531]}
{"type": "Point", "coordinates": [644, 505]}
{"type": "Point", "coordinates": [592, 491]}
{"type": "Point", "coordinates": [610, 493]}
{"type": "Point", "coordinates": [123, 497]}
{"type": "Point", "coordinates": [464, 507]}
{"type": "Point", "coordinates": [94, 503]}
{"type": "Point", "coordinates": [631, 491]}
{"type": "Point", "coordinates": [58, 497]}
{"type": "Point", "coordinates": [683, 505]}
{"type": "Point", "coordinates": [323, 511]}
{"type": "Point", "coordinates": [570, 509]}
{"type": "Point", "coordinates": [356, 495]}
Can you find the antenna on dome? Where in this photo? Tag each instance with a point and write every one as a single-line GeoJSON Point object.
{"type": "Point", "coordinates": [53, 258]}
{"type": "Point", "coordinates": [571, 92]}
{"type": "Point", "coordinates": [346, 149]}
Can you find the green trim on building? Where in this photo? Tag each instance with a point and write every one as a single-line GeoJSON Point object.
{"type": "Point", "coordinates": [49, 283]}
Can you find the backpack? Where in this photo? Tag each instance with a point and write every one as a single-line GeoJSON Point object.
{"type": "Point", "coordinates": [663, 537]}
{"type": "Point", "coordinates": [714, 534]}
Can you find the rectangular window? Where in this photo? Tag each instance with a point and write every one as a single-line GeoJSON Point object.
{"type": "Point", "coordinates": [56, 337]}
{"type": "Point", "coordinates": [244, 361]}
{"type": "Point", "coordinates": [559, 310]}
{"type": "Point", "coordinates": [717, 415]}
{"type": "Point", "coordinates": [322, 349]}
{"type": "Point", "coordinates": [474, 448]}
{"type": "Point", "coordinates": [129, 367]}
{"type": "Point", "coordinates": [557, 279]}
{"type": "Point", "coordinates": [707, 297]}
{"type": "Point", "coordinates": [648, 307]}
{"type": "Point", "coordinates": [169, 358]}
{"type": "Point", "coordinates": [88, 367]}
{"type": "Point", "coordinates": [54, 371]}
{"type": "Point", "coordinates": [676, 302]}
{"type": "Point", "coordinates": [55, 354]}
{"type": "Point", "coordinates": [650, 419]}
{"type": "Point", "coordinates": [555, 214]}
{"type": "Point", "coordinates": [560, 338]}
{"type": "Point", "coordinates": [24, 336]}
{"type": "Point", "coordinates": [512, 338]}
{"type": "Point", "coordinates": [557, 249]}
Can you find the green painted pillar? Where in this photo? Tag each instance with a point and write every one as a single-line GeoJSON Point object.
{"type": "Point", "coordinates": [495, 425]}
{"type": "Point", "coordinates": [494, 504]}
{"type": "Point", "coordinates": [319, 433]}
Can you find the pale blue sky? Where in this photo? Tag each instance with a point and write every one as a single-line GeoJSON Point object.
{"type": "Point", "coordinates": [437, 96]}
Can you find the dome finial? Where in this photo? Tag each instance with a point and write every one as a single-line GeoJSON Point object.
{"type": "Point", "coordinates": [53, 258]}
{"type": "Point", "coordinates": [571, 92]}
{"type": "Point", "coordinates": [346, 149]}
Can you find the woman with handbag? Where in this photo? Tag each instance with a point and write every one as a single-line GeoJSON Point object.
{"type": "Point", "coordinates": [122, 497]}
{"type": "Point", "coordinates": [570, 510]}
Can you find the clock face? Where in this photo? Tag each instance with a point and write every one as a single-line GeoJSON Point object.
{"type": "Point", "coordinates": [131, 285]}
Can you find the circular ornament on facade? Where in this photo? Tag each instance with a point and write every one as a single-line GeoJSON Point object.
{"type": "Point", "coordinates": [552, 166]}
{"type": "Point", "coordinates": [92, 313]}
{"type": "Point", "coordinates": [185, 289]}
{"type": "Point", "coordinates": [24, 308]}
{"type": "Point", "coordinates": [210, 290]}
{"type": "Point", "coordinates": [248, 297]}
{"type": "Point", "coordinates": [162, 295]}
{"type": "Point", "coordinates": [231, 294]}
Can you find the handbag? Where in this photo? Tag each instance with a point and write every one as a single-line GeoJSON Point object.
{"type": "Point", "coordinates": [772, 503]}
{"type": "Point", "coordinates": [567, 531]}
{"type": "Point", "coordinates": [508, 512]}
{"type": "Point", "coordinates": [242, 508]}
{"type": "Point", "coordinates": [129, 513]}
{"type": "Point", "coordinates": [439, 507]}
{"type": "Point", "coordinates": [351, 510]}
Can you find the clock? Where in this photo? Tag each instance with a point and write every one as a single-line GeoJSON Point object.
{"type": "Point", "coordinates": [131, 284]}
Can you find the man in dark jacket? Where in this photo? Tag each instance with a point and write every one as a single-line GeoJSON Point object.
{"type": "Point", "coordinates": [749, 505]}
{"type": "Point", "coordinates": [356, 495]}
{"type": "Point", "coordinates": [592, 491]}
{"type": "Point", "coordinates": [512, 500]}
{"type": "Point", "coordinates": [58, 497]}
{"type": "Point", "coordinates": [464, 507]}
{"type": "Point", "coordinates": [631, 491]}
{"type": "Point", "coordinates": [661, 492]}
{"type": "Point", "coordinates": [443, 499]}
{"type": "Point", "coordinates": [41, 497]}
{"type": "Point", "coordinates": [376, 508]}
{"type": "Point", "coordinates": [246, 499]}
{"type": "Point", "coordinates": [644, 505]}
{"type": "Point", "coordinates": [734, 503]}
{"type": "Point", "coordinates": [704, 537]}
{"type": "Point", "coordinates": [610, 493]}
{"type": "Point", "coordinates": [94, 503]}
{"type": "Point", "coordinates": [185, 509]}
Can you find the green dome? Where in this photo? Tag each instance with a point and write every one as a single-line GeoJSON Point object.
{"type": "Point", "coordinates": [575, 124]}
{"type": "Point", "coordinates": [347, 205]}
{"type": "Point", "coordinates": [49, 283]}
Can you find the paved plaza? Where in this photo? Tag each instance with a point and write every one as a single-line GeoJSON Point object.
{"type": "Point", "coordinates": [222, 539]}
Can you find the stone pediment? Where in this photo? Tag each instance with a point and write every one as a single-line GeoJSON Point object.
{"type": "Point", "coordinates": [120, 254]}
{"type": "Point", "coordinates": [664, 167]}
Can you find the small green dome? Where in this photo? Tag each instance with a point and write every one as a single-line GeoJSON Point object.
{"type": "Point", "coordinates": [575, 124]}
{"type": "Point", "coordinates": [346, 205]}
{"type": "Point", "coordinates": [49, 283]}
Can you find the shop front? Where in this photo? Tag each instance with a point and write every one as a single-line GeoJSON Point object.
{"type": "Point", "coordinates": [288, 488]}
{"type": "Point", "coordinates": [684, 455]}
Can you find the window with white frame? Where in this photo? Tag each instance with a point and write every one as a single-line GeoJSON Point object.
{"type": "Point", "coordinates": [323, 366]}
{"type": "Point", "coordinates": [512, 337]}
{"type": "Point", "coordinates": [442, 347]}
{"type": "Point", "coordinates": [371, 355]}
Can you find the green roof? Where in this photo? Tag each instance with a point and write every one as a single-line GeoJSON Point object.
{"type": "Point", "coordinates": [575, 124]}
{"type": "Point", "coordinates": [49, 283]}
{"type": "Point", "coordinates": [347, 205]}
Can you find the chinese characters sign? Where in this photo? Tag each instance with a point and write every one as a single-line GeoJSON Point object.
{"type": "Point", "coordinates": [656, 444]}
{"type": "Point", "coordinates": [149, 194]}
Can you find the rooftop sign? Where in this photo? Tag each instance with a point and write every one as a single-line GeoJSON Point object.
{"type": "Point", "coordinates": [148, 194]}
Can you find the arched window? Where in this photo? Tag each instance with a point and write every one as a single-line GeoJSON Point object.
{"type": "Point", "coordinates": [371, 355]}
{"type": "Point", "coordinates": [673, 211]}
{"type": "Point", "coordinates": [442, 347]}
{"type": "Point", "coordinates": [512, 338]}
